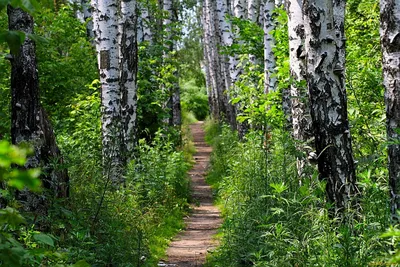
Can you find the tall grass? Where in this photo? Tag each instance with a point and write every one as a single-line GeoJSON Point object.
{"type": "Point", "coordinates": [271, 218]}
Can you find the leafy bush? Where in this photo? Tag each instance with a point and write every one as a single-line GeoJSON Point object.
{"type": "Point", "coordinates": [194, 99]}
{"type": "Point", "coordinates": [20, 244]}
{"type": "Point", "coordinates": [273, 219]}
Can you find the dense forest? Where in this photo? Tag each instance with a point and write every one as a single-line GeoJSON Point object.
{"type": "Point", "coordinates": [300, 100]}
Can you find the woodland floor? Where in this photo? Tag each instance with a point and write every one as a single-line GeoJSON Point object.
{"type": "Point", "coordinates": [189, 248]}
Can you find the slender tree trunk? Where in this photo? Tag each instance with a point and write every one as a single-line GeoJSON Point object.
{"type": "Point", "coordinates": [106, 29]}
{"type": "Point", "coordinates": [87, 15]}
{"type": "Point", "coordinates": [174, 91]}
{"type": "Point", "coordinates": [253, 9]}
{"type": "Point", "coordinates": [128, 63]}
{"type": "Point", "coordinates": [212, 57]}
{"type": "Point", "coordinates": [145, 33]}
{"type": "Point", "coordinates": [328, 104]}
{"type": "Point", "coordinates": [29, 121]}
{"type": "Point", "coordinates": [227, 62]}
{"type": "Point", "coordinates": [301, 120]}
{"type": "Point", "coordinates": [269, 43]}
{"type": "Point", "coordinates": [390, 41]}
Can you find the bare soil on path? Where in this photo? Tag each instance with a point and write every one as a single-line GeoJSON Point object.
{"type": "Point", "coordinates": [189, 248]}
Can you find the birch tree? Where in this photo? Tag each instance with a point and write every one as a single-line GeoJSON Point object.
{"type": "Point", "coordinates": [29, 121]}
{"type": "Point", "coordinates": [212, 57]}
{"type": "Point", "coordinates": [128, 57]}
{"type": "Point", "coordinates": [253, 9]}
{"type": "Point", "coordinates": [324, 29]}
{"type": "Point", "coordinates": [105, 19]}
{"type": "Point", "coordinates": [173, 92]}
{"type": "Point", "coordinates": [301, 119]}
{"type": "Point", "coordinates": [227, 62]}
{"type": "Point", "coordinates": [269, 43]}
{"type": "Point", "coordinates": [144, 33]}
{"type": "Point", "coordinates": [390, 42]}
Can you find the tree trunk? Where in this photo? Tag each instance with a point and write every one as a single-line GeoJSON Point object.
{"type": "Point", "coordinates": [128, 60]}
{"type": "Point", "coordinates": [253, 9]}
{"type": "Point", "coordinates": [328, 103]}
{"type": "Point", "coordinates": [145, 33]}
{"type": "Point", "coordinates": [29, 121]}
{"type": "Point", "coordinates": [106, 28]}
{"type": "Point", "coordinates": [174, 91]}
{"type": "Point", "coordinates": [227, 62]}
{"type": "Point", "coordinates": [390, 42]}
{"type": "Point", "coordinates": [212, 57]}
{"type": "Point", "coordinates": [87, 15]}
{"type": "Point", "coordinates": [301, 120]}
{"type": "Point", "coordinates": [269, 43]}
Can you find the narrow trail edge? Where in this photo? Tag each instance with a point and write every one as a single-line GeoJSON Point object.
{"type": "Point", "coordinates": [189, 248]}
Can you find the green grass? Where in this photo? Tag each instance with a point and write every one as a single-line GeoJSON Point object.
{"type": "Point", "coordinates": [171, 225]}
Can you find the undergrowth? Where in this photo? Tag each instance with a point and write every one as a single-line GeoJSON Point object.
{"type": "Point", "coordinates": [271, 218]}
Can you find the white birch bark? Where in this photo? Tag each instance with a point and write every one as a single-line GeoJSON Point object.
{"type": "Point", "coordinates": [145, 33]}
{"type": "Point", "coordinates": [239, 11]}
{"type": "Point", "coordinates": [269, 43]}
{"type": "Point", "coordinates": [128, 57]}
{"type": "Point", "coordinates": [174, 91]}
{"type": "Point", "coordinates": [87, 15]}
{"type": "Point", "coordinates": [253, 9]}
{"type": "Point", "coordinates": [328, 103]}
{"type": "Point", "coordinates": [390, 42]}
{"type": "Point", "coordinates": [301, 120]}
{"type": "Point", "coordinates": [212, 56]}
{"type": "Point", "coordinates": [106, 30]}
{"type": "Point", "coordinates": [224, 28]}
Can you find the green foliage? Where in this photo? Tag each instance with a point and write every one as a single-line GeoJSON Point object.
{"type": "Point", "coordinates": [66, 62]}
{"type": "Point", "coordinates": [194, 99]}
{"type": "Point", "coordinates": [129, 226]}
{"type": "Point", "coordinates": [271, 219]}
{"type": "Point", "coordinates": [15, 39]}
{"type": "Point", "coordinates": [249, 41]}
{"type": "Point", "coordinates": [20, 245]}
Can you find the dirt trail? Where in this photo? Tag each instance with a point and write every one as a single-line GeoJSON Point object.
{"type": "Point", "coordinates": [189, 248]}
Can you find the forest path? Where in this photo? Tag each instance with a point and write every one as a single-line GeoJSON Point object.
{"type": "Point", "coordinates": [189, 248]}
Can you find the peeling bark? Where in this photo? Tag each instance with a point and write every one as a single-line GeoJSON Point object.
{"type": "Point", "coordinates": [390, 42]}
{"type": "Point", "coordinates": [29, 120]}
{"type": "Point", "coordinates": [328, 103]}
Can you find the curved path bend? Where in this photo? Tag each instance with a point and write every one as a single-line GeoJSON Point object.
{"type": "Point", "coordinates": [189, 248]}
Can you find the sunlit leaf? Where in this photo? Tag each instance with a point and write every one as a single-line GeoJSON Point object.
{"type": "Point", "coordinates": [44, 239]}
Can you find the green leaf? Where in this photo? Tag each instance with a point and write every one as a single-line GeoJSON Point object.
{"type": "Point", "coordinates": [29, 178]}
{"type": "Point", "coordinates": [44, 239]}
{"type": "Point", "coordinates": [278, 188]}
{"type": "Point", "coordinates": [37, 39]}
{"type": "Point", "coordinates": [14, 39]}
{"type": "Point", "coordinates": [81, 263]}
{"type": "Point", "coordinates": [11, 216]}
{"type": "Point", "coordinates": [3, 4]}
